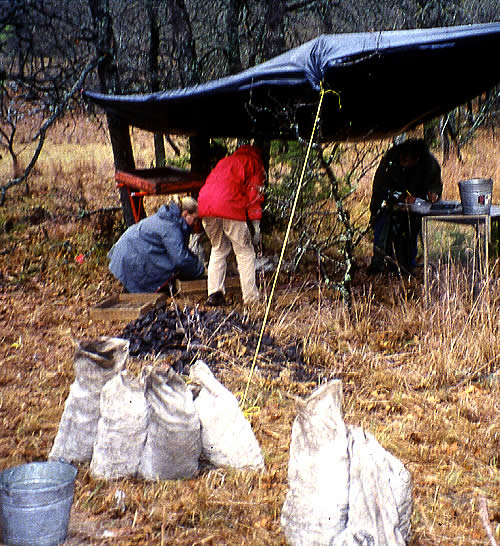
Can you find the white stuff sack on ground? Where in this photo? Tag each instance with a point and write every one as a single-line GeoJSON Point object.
{"type": "Point", "coordinates": [380, 494]}
{"type": "Point", "coordinates": [316, 504]}
{"type": "Point", "coordinates": [173, 443]}
{"type": "Point", "coordinates": [122, 427]}
{"type": "Point", "coordinates": [226, 435]}
{"type": "Point", "coordinates": [345, 489]}
{"type": "Point", "coordinates": [95, 363]}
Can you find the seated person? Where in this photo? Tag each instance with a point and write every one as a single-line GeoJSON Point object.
{"type": "Point", "coordinates": [153, 252]}
{"type": "Point", "coordinates": [407, 171]}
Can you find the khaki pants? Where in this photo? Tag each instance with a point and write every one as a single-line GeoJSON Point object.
{"type": "Point", "coordinates": [223, 235]}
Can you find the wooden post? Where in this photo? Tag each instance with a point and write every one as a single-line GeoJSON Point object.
{"type": "Point", "coordinates": [265, 146]}
{"type": "Point", "coordinates": [124, 160]}
{"type": "Point", "coordinates": [199, 148]}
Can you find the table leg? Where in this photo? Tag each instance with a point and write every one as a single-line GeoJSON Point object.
{"type": "Point", "coordinates": [487, 239]}
{"type": "Point", "coordinates": [426, 259]}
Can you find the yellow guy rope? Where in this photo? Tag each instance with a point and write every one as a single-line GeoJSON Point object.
{"type": "Point", "coordinates": [288, 229]}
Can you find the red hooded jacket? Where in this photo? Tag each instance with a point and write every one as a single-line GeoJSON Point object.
{"type": "Point", "coordinates": [233, 189]}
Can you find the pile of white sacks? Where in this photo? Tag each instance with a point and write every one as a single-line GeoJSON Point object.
{"type": "Point", "coordinates": [152, 427]}
{"type": "Point", "coordinates": [344, 489]}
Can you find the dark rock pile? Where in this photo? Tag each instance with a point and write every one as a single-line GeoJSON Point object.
{"type": "Point", "coordinates": [220, 339]}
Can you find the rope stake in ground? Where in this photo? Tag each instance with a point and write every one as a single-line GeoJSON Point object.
{"type": "Point", "coordinates": [287, 235]}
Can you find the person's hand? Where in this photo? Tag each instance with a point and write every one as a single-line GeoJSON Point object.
{"type": "Point", "coordinates": [409, 199]}
{"type": "Point", "coordinates": [257, 237]}
{"type": "Point", "coordinates": [432, 197]}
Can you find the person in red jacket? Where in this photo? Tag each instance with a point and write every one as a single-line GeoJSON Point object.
{"type": "Point", "coordinates": [231, 195]}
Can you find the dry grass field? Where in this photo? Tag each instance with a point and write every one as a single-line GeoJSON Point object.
{"type": "Point", "coordinates": [423, 378]}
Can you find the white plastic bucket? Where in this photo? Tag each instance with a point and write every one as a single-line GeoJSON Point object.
{"type": "Point", "coordinates": [475, 195]}
{"type": "Point", "coordinates": [35, 503]}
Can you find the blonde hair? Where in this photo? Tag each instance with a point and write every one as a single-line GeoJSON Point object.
{"type": "Point", "coordinates": [189, 204]}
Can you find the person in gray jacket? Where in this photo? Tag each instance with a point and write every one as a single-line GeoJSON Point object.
{"type": "Point", "coordinates": [153, 252]}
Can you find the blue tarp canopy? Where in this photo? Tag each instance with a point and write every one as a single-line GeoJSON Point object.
{"type": "Point", "coordinates": [384, 83]}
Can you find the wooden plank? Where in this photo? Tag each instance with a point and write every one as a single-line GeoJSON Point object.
{"type": "Point", "coordinates": [142, 297]}
{"type": "Point", "coordinates": [125, 307]}
{"type": "Point", "coordinates": [200, 285]}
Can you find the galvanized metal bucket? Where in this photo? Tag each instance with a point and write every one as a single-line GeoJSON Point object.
{"type": "Point", "coordinates": [35, 503]}
{"type": "Point", "coordinates": [475, 195]}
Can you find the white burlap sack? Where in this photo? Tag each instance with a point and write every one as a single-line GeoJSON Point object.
{"type": "Point", "coordinates": [344, 488]}
{"type": "Point", "coordinates": [121, 431]}
{"type": "Point", "coordinates": [226, 435]}
{"type": "Point", "coordinates": [95, 363]}
{"type": "Point", "coordinates": [315, 508]}
{"type": "Point", "coordinates": [380, 495]}
{"type": "Point", "coordinates": [173, 442]}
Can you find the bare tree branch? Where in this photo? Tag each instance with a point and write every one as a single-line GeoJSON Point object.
{"type": "Point", "coordinates": [42, 132]}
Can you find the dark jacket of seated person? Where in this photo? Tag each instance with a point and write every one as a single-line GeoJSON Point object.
{"type": "Point", "coordinates": [154, 251]}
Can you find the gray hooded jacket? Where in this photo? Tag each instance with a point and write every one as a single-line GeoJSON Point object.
{"type": "Point", "coordinates": [153, 251]}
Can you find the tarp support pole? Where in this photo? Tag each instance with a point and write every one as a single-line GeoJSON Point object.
{"type": "Point", "coordinates": [123, 155]}
{"type": "Point", "coordinates": [199, 151]}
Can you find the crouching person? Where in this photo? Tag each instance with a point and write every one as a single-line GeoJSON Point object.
{"type": "Point", "coordinates": [154, 252]}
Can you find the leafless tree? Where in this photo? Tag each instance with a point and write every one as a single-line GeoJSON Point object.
{"type": "Point", "coordinates": [42, 74]}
